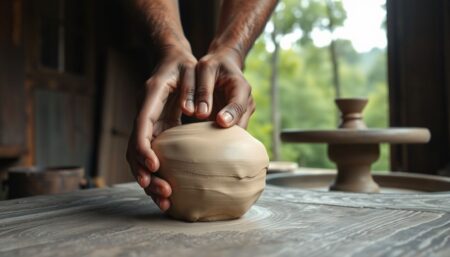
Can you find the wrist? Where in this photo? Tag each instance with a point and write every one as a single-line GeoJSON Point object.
{"type": "Point", "coordinates": [169, 50]}
{"type": "Point", "coordinates": [181, 44]}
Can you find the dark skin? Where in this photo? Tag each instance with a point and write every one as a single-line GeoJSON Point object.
{"type": "Point", "coordinates": [212, 88]}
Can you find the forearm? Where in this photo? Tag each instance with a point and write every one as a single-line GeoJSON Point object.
{"type": "Point", "coordinates": [240, 23]}
{"type": "Point", "coordinates": [163, 20]}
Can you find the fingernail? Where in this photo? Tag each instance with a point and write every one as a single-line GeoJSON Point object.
{"type": "Point", "coordinates": [149, 164]}
{"type": "Point", "coordinates": [203, 107]}
{"type": "Point", "coordinates": [227, 117]}
{"type": "Point", "coordinates": [189, 105]}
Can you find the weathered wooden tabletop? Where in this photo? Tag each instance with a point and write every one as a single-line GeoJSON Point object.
{"type": "Point", "coordinates": [122, 221]}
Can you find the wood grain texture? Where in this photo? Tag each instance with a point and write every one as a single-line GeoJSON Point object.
{"type": "Point", "coordinates": [122, 221]}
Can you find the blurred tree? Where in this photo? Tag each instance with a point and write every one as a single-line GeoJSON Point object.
{"type": "Point", "coordinates": [336, 17]}
{"type": "Point", "coordinates": [304, 16]}
{"type": "Point", "coordinates": [302, 79]}
{"type": "Point", "coordinates": [283, 22]}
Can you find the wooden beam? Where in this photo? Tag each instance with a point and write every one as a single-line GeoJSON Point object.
{"type": "Point", "coordinates": [418, 91]}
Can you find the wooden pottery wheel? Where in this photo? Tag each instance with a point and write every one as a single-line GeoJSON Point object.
{"type": "Point", "coordinates": [354, 147]}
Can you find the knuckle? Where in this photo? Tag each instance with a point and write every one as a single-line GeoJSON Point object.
{"type": "Point", "coordinates": [151, 84]}
{"type": "Point", "coordinates": [187, 93]}
{"type": "Point", "coordinates": [156, 83]}
{"type": "Point", "coordinates": [247, 87]}
{"type": "Point", "coordinates": [189, 65]}
{"type": "Point", "coordinates": [234, 79]}
{"type": "Point", "coordinates": [141, 119]}
{"type": "Point", "coordinates": [141, 149]}
{"type": "Point", "coordinates": [253, 107]}
{"type": "Point", "coordinates": [238, 109]}
{"type": "Point", "coordinates": [188, 90]}
{"type": "Point", "coordinates": [240, 82]}
{"type": "Point", "coordinates": [205, 64]}
{"type": "Point", "coordinates": [202, 93]}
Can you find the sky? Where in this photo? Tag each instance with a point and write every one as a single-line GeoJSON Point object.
{"type": "Point", "coordinates": [362, 27]}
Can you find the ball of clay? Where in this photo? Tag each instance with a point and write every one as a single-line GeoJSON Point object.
{"type": "Point", "coordinates": [215, 173]}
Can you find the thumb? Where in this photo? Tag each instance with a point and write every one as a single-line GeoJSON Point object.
{"type": "Point", "coordinates": [236, 106]}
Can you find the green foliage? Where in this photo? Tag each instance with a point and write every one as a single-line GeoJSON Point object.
{"type": "Point", "coordinates": [305, 81]}
{"type": "Point", "coordinates": [306, 15]}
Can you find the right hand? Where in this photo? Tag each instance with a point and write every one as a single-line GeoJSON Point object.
{"type": "Point", "coordinates": [221, 86]}
{"type": "Point", "coordinates": [168, 93]}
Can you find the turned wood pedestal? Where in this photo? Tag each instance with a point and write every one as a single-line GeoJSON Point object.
{"type": "Point", "coordinates": [354, 147]}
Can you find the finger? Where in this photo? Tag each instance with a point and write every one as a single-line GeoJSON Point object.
{"type": "Point", "coordinates": [162, 203]}
{"type": "Point", "coordinates": [160, 187]}
{"type": "Point", "coordinates": [206, 76]}
{"type": "Point", "coordinates": [237, 105]}
{"type": "Point", "coordinates": [243, 122]}
{"type": "Point", "coordinates": [156, 97]}
{"type": "Point", "coordinates": [187, 90]}
{"type": "Point", "coordinates": [142, 176]}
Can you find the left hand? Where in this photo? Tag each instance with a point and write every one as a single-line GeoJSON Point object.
{"type": "Point", "coordinates": [168, 93]}
{"type": "Point", "coordinates": [222, 93]}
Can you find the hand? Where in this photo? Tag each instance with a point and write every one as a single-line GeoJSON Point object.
{"type": "Point", "coordinates": [167, 94]}
{"type": "Point", "coordinates": [222, 93]}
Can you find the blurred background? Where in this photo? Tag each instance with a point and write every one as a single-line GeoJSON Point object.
{"type": "Point", "coordinates": [311, 52]}
{"type": "Point", "coordinates": [70, 71]}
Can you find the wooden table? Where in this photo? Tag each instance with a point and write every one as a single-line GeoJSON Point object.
{"type": "Point", "coordinates": [122, 221]}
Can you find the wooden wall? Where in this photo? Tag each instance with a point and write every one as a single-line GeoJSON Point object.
{"type": "Point", "coordinates": [59, 62]}
{"type": "Point", "coordinates": [419, 80]}
{"type": "Point", "coordinates": [12, 77]}
{"type": "Point", "coordinates": [60, 82]}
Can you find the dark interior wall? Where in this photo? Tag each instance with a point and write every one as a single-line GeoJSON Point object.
{"type": "Point", "coordinates": [12, 76]}
{"type": "Point", "coordinates": [52, 58]}
{"type": "Point", "coordinates": [60, 72]}
{"type": "Point", "coordinates": [53, 84]}
{"type": "Point", "coordinates": [199, 18]}
{"type": "Point", "coordinates": [419, 68]}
